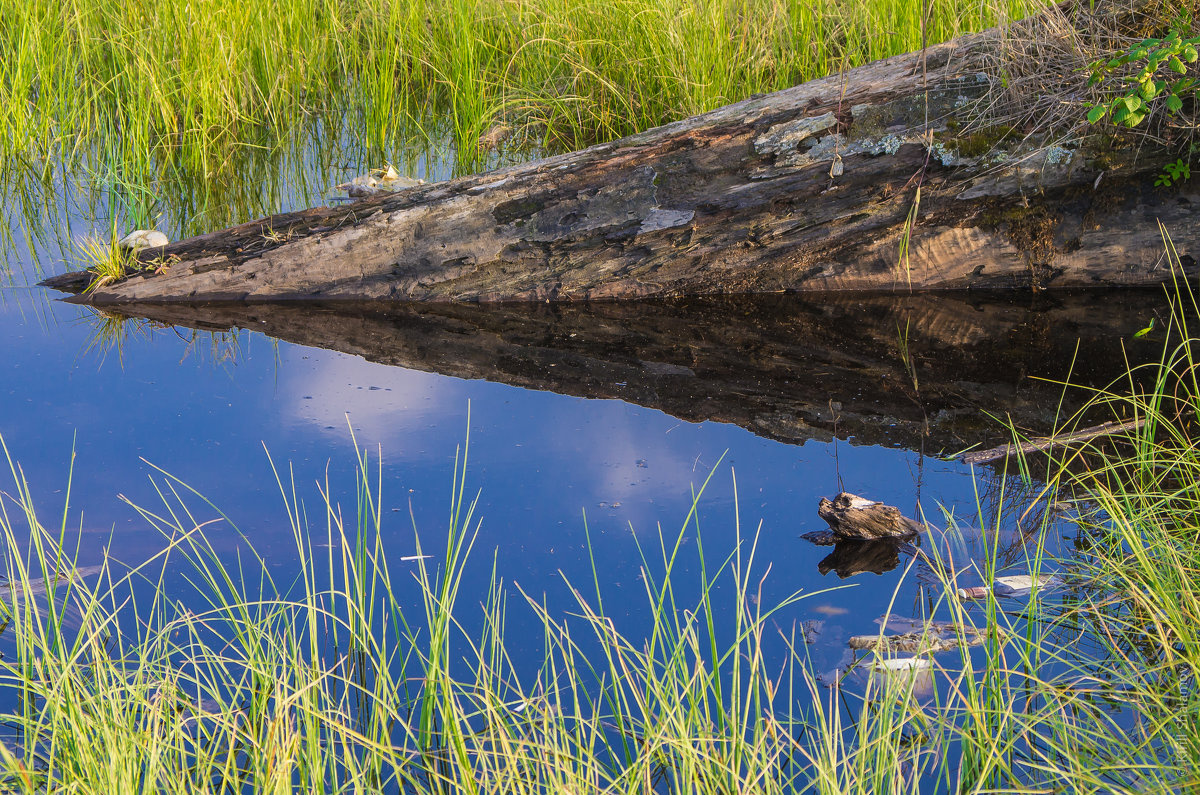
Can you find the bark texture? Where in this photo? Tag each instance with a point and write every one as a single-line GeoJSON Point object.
{"type": "Point", "coordinates": [814, 188]}
{"type": "Point", "coordinates": [852, 517]}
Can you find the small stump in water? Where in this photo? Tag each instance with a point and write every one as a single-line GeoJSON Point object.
{"type": "Point", "coordinates": [851, 516]}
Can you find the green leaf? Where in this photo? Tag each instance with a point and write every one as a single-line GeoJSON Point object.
{"type": "Point", "coordinates": [1189, 54]}
{"type": "Point", "coordinates": [1182, 85]}
{"type": "Point", "coordinates": [1145, 331]}
{"type": "Point", "coordinates": [1097, 113]}
{"type": "Point", "coordinates": [1135, 119]}
{"type": "Point", "coordinates": [1174, 103]}
{"type": "Point", "coordinates": [1132, 103]}
{"type": "Point", "coordinates": [1177, 65]}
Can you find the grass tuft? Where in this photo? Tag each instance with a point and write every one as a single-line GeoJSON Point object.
{"type": "Point", "coordinates": [107, 260]}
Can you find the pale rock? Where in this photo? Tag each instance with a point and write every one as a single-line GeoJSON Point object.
{"type": "Point", "coordinates": [386, 180]}
{"type": "Point", "coordinates": [889, 664]}
{"type": "Point", "coordinates": [143, 238]}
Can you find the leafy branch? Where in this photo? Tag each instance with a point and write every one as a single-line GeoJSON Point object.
{"type": "Point", "coordinates": [1161, 74]}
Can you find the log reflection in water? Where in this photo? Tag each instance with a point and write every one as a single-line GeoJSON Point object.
{"type": "Point", "coordinates": [857, 557]}
{"type": "Point", "coordinates": [918, 371]}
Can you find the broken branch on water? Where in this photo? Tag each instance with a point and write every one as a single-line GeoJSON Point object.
{"type": "Point", "coordinates": [1045, 443]}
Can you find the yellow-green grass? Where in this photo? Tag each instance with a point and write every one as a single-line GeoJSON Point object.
{"type": "Point", "coordinates": [187, 80]}
{"type": "Point", "coordinates": [326, 678]}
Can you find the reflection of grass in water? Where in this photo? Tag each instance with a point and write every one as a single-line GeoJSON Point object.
{"type": "Point", "coordinates": [113, 331]}
{"type": "Point", "coordinates": [101, 193]}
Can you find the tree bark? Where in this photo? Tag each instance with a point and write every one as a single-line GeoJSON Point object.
{"type": "Point", "coordinates": [813, 188]}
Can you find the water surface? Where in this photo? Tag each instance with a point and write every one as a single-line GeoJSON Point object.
{"type": "Point", "coordinates": [591, 427]}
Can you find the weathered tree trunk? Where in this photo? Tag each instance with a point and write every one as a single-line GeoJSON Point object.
{"type": "Point", "coordinates": [811, 188]}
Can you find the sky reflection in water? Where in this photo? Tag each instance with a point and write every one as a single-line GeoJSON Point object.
{"type": "Point", "coordinates": [541, 460]}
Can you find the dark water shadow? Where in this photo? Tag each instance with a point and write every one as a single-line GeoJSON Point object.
{"type": "Point", "coordinates": [929, 372]}
{"type": "Point", "coordinates": [858, 557]}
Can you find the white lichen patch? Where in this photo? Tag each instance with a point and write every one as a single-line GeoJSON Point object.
{"type": "Point", "coordinates": [665, 219]}
{"type": "Point", "coordinates": [945, 155]}
{"type": "Point", "coordinates": [887, 145]}
{"type": "Point", "coordinates": [1059, 155]}
{"type": "Point", "coordinates": [1038, 169]}
{"type": "Point", "coordinates": [782, 140]}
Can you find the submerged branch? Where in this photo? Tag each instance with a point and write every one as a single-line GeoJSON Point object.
{"type": "Point", "coordinates": [1045, 443]}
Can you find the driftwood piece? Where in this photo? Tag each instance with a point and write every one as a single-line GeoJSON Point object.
{"type": "Point", "coordinates": [813, 188]}
{"type": "Point", "coordinates": [851, 516]}
{"type": "Point", "coordinates": [1045, 443]}
{"type": "Point", "coordinates": [937, 636]}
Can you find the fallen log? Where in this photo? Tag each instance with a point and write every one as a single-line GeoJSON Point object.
{"type": "Point", "coordinates": [867, 180]}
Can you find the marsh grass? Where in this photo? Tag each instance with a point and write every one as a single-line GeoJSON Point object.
{"type": "Point", "coordinates": [169, 88]}
{"type": "Point", "coordinates": [325, 682]}
{"type": "Point", "coordinates": [1143, 547]}
{"type": "Point", "coordinates": [105, 259]}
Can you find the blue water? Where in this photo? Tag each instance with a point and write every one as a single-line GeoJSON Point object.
{"type": "Point", "coordinates": [557, 474]}
{"type": "Point", "coordinates": [210, 416]}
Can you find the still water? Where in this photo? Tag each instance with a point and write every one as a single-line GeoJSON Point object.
{"type": "Point", "coordinates": [591, 427]}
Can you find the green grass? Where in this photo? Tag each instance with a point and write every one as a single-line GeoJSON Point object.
{"type": "Point", "coordinates": [181, 86]}
{"type": "Point", "coordinates": [192, 115]}
{"type": "Point", "coordinates": [104, 258]}
{"type": "Point", "coordinates": [319, 679]}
